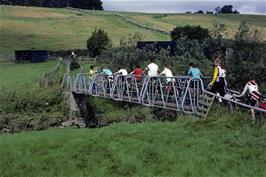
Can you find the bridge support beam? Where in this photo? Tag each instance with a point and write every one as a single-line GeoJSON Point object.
{"type": "Point", "coordinates": [77, 109]}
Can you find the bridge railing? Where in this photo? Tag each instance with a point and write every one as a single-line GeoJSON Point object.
{"type": "Point", "coordinates": [126, 88]}
{"type": "Point", "coordinates": [101, 85]}
{"type": "Point", "coordinates": [68, 82]}
{"type": "Point", "coordinates": [179, 93]}
{"type": "Point", "coordinates": [243, 105]}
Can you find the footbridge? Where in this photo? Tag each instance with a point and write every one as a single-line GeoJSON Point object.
{"type": "Point", "coordinates": [179, 93]}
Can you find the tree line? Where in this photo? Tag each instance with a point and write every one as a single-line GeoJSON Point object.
{"type": "Point", "coordinates": [226, 9]}
{"type": "Point", "coordinates": [82, 4]}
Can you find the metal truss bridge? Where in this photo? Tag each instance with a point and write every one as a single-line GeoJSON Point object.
{"type": "Point", "coordinates": [179, 93]}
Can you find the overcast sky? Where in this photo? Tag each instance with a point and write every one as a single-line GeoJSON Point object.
{"type": "Point", "coordinates": [181, 6]}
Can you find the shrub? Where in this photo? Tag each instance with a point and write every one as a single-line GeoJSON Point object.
{"type": "Point", "coordinates": [26, 108]}
{"type": "Point", "coordinates": [131, 40]}
{"type": "Point", "coordinates": [247, 60]}
{"type": "Point", "coordinates": [190, 33]}
{"type": "Point", "coordinates": [98, 42]}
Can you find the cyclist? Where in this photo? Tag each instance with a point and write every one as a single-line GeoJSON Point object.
{"type": "Point", "coordinates": [218, 81]}
{"type": "Point", "coordinates": [194, 72]}
{"type": "Point", "coordinates": [152, 68]}
{"type": "Point", "coordinates": [137, 72]}
{"type": "Point", "coordinates": [254, 95]}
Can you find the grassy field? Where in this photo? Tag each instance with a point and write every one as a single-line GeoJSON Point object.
{"type": "Point", "coordinates": [225, 146]}
{"type": "Point", "coordinates": [170, 21]}
{"type": "Point", "coordinates": [15, 75]}
{"type": "Point", "coordinates": [55, 29]}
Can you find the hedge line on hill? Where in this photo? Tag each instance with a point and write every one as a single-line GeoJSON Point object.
{"type": "Point", "coordinates": [82, 4]}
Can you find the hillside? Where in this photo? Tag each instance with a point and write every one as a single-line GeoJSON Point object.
{"type": "Point", "coordinates": [170, 21]}
{"type": "Point", "coordinates": [55, 29]}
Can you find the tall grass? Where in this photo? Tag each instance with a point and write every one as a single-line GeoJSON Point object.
{"type": "Point", "coordinates": [223, 145]}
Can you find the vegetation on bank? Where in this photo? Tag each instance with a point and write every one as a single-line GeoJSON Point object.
{"type": "Point", "coordinates": [218, 146]}
{"type": "Point", "coordinates": [28, 108]}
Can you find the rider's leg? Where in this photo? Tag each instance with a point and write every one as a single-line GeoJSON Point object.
{"type": "Point", "coordinates": [252, 114]}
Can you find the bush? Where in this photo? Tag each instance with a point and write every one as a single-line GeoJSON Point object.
{"type": "Point", "coordinates": [247, 60]}
{"type": "Point", "coordinates": [190, 33]}
{"type": "Point", "coordinates": [26, 108]}
{"type": "Point", "coordinates": [98, 42]}
{"type": "Point", "coordinates": [187, 51]}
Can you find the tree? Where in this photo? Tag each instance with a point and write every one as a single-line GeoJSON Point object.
{"type": "Point", "coordinates": [227, 9]}
{"type": "Point", "coordinates": [190, 33]}
{"type": "Point", "coordinates": [217, 10]}
{"type": "Point", "coordinates": [98, 42]}
{"type": "Point", "coordinates": [200, 12]}
{"type": "Point", "coordinates": [87, 4]}
{"type": "Point", "coordinates": [209, 12]}
{"type": "Point", "coordinates": [248, 58]}
{"type": "Point", "coordinates": [236, 12]}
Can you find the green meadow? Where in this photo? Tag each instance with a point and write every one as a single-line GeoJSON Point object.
{"type": "Point", "coordinates": [170, 21]}
{"type": "Point", "coordinates": [56, 29]}
{"type": "Point", "coordinates": [219, 146]}
{"type": "Point", "coordinates": [15, 75]}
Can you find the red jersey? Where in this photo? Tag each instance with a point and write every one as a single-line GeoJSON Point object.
{"type": "Point", "coordinates": [138, 72]}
